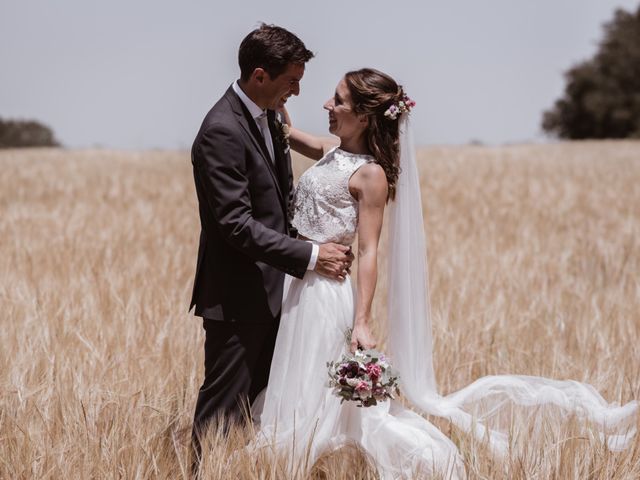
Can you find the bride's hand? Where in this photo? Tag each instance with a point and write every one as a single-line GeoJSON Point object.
{"type": "Point", "coordinates": [285, 115]}
{"type": "Point", "coordinates": [361, 336]}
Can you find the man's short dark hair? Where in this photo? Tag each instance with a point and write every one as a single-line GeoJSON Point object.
{"type": "Point", "coordinates": [272, 48]}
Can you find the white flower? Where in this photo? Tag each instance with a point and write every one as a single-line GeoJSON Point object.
{"type": "Point", "coordinates": [353, 382]}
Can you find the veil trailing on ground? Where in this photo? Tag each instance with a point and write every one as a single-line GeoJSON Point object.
{"type": "Point", "coordinates": [476, 408]}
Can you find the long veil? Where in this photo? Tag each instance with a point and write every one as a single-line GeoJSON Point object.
{"type": "Point", "coordinates": [476, 408]}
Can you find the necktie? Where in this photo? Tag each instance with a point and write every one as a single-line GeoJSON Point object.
{"type": "Point", "coordinates": [263, 123]}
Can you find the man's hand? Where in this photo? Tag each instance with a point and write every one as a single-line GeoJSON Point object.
{"type": "Point", "coordinates": [334, 261]}
{"type": "Point", "coordinates": [361, 337]}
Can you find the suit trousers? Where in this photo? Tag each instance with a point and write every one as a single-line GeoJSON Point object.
{"type": "Point", "coordinates": [237, 360]}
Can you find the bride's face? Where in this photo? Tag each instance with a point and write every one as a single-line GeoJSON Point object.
{"type": "Point", "coordinates": [343, 121]}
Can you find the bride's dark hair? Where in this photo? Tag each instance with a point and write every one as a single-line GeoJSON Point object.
{"type": "Point", "coordinates": [372, 93]}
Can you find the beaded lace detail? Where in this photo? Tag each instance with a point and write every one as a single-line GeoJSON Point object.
{"type": "Point", "coordinates": [323, 208]}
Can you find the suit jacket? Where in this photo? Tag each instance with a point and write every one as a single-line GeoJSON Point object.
{"type": "Point", "coordinates": [243, 199]}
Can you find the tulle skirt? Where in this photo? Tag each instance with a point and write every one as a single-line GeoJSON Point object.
{"type": "Point", "coordinates": [302, 419]}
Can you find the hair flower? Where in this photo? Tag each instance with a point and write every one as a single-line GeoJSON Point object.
{"type": "Point", "coordinates": [403, 106]}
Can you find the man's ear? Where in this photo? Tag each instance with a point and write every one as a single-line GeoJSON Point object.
{"type": "Point", "coordinates": [259, 75]}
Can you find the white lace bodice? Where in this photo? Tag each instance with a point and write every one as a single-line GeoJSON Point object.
{"type": "Point", "coordinates": [323, 208]}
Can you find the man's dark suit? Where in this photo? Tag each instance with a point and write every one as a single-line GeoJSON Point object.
{"type": "Point", "coordinates": [245, 249]}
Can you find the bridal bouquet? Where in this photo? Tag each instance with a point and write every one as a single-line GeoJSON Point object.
{"type": "Point", "coordinates": [365, 377]}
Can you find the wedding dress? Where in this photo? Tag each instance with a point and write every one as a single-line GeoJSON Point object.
{"type": "Point", "coordinates": [298, 414]}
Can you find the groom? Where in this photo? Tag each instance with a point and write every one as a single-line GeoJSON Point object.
{"type": "Point", "coordinates": [243, 179]}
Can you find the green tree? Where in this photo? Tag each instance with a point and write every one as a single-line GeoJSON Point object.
{"type": "Point", "coordinates": [602, 95]}
{"type": "Point", "coordinates": [25, 133]}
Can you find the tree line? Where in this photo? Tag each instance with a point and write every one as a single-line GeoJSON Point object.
{"type": "Point", "coordinates": [602, 95]}
{"type": "Point", "coordinates": [25, 133]}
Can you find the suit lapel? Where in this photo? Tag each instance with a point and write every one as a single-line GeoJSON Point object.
{"type": "Point", "coordinates": [249, 125]}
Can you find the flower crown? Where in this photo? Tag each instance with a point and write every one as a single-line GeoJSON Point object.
{"type": "Point", "coordinates": [403, 106]}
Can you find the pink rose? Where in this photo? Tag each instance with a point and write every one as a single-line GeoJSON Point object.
{"type": "Point", "coordinates": [374, 370]}
{"type": "Point", "coordinates": [363, 389]}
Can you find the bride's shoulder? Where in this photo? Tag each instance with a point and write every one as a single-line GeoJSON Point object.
{"type": "Point", "coordinates": [372, 171]}
{"type": "Point", "coordinates": [370, 178]}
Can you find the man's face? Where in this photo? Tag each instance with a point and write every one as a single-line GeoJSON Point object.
{"type": "Point", "coordinates": [278, 90]}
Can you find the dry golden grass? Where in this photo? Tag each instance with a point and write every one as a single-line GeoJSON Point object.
{"type": "Point", "coordinates": [534, 259]}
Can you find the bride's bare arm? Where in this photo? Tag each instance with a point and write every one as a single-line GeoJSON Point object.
{"type": "Point", "coordinates": [369, 186]}
{"type": "Point", "coordinates": [308, 145]}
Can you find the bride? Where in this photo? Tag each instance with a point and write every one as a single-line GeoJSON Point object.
{"type": "Point", "coordinates": [345, 194]}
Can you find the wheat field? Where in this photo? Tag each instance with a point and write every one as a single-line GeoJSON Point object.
{"type": "Point", "coordinates": [534, 264]}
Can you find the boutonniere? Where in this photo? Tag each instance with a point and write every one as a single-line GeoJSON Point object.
{"type": "Point", "coordinates": [283, 135]}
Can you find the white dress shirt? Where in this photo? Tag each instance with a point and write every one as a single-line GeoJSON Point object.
{"type": "Point", "coordinates": [260, 117]}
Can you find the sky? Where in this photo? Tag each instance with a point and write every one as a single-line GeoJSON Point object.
{"type": "Point", "coordinates": [141, 74]}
